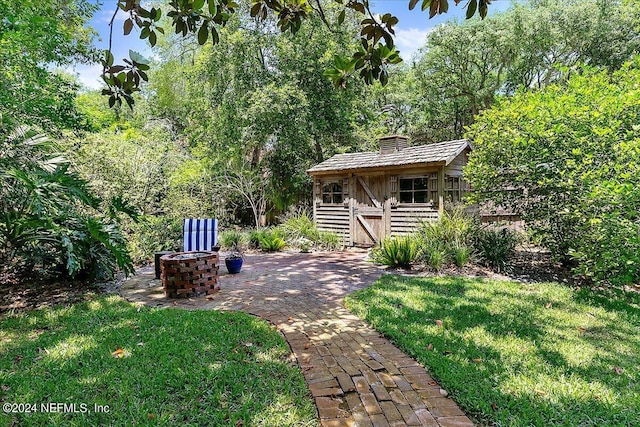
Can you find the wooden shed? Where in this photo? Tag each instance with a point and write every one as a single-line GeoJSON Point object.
{"type": "Point", "coordinates": [364, 197]}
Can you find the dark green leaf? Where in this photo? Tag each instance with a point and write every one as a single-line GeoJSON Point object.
{"type": "Point", "coordinates": [198, 4]}
{"type": "Point", "coordinates": [255, 9]}
{"type": "Point", "coordinates": [412, 4]}
{"type": "Point", "coordinates": [433, 10]}
{"type": "Point", "coordinates": [128, 26]}
{"type": "Point", "coordinates": [213, 8]}
{"type": "Point", "coordinates": [341, 17]}
{"type": "Point", "coordinates": [109, 58]}
{"type": "Point", "coordinates": [471, 8]}
{"type": "Point", "coordinates": [203, 33]}
{"type": "Point", "coordinates": [483, 9]}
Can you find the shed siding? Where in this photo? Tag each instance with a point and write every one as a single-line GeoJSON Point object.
{"type": "Point", "coordinates": [404, 219]}
{"type": "Point", "coordinates": [334, 219]}
{"type": "Point", "coordinates": [455, 167]}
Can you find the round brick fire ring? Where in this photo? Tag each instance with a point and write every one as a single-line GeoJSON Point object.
{"type": "Point", "coordinates": [188, 274]}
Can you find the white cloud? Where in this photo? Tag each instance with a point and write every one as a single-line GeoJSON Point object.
{"type": "Point", "coordinates": [88, 75]}
{"type": "Point", "coordinates": [105, 15]}
{"type": "Point", "coordinates": [409, 41]}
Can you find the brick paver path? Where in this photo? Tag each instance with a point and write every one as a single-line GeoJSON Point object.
{"type": "Point", "coordinates": [356, 376]}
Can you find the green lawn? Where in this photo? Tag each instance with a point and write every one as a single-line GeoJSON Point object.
{"type": "Point", "coordinates": [188, 368]}
{"type": "Point", "coordinates": [515, 354]}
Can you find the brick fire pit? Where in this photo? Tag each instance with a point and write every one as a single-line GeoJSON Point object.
{"type": "Point", "coordinates": [187, 274]}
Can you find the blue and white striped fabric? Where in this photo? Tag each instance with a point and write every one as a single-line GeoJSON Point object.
{"type": "Point", "coordinates": [200, 234]}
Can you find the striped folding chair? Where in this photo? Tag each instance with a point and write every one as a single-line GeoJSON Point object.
{"type": "Point", "coordinates": [200, 234]}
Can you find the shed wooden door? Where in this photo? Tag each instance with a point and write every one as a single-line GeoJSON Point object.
{"type": "Point", "coordinates": [368, 215]}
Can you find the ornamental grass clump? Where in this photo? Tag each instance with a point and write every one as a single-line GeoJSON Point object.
{"type": "Point", "coordinates": [446, 241]}
{"type": "Point", "coordinates": [495, 247]}
{"type": "Point", "coordinates": [298, 228]}
{"type": "Point", "coordinates": [396, 251]}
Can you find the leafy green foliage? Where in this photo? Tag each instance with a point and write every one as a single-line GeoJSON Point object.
{"type": "Point", "coordinates": [512, 353]}
{"type": "Point", "coordinates": [464, 66]}
{"type": "Point", "coordinates": [270, 240]}
{"type": "Point", "coordinates": [461, 255]}
{"type": "Point", "coordinates": [132, 359]}
{"type": "Point", "coordinates": [567, 160]}
{"type": "Point", "coordinates": [259, 107]}
{"type": "Point", "coordinates": [329, 241]}
{"type": "Point", "coordinates": [396, 251]}
{"type": "Point", "coordinates": [298, 229]}
{"type": "Point", "coordinates": [38, 37]}
{"type": "Point", "coordinates": [376, 50]}
{"type": "Point", "coordinates": [495, 247]}
{"type": "Point", "coordinates": [232, 240]}
{"type": "Point", "coordinates": [153, 234]}
{"type": "Point", "coordinates": [299, 225]}
{"type": "Point", "coordinates": [49, 216]}
{"type": "Point", "coordinates": [447, 240]}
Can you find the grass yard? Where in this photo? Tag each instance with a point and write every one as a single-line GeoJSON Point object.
{"type": "Point", "coordinates": [150, 366]}
{"type": "Point", "coordinates": [514, 354]}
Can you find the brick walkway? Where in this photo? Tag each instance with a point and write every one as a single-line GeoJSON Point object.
{"type": "Point", "coordinates": [356, 376]}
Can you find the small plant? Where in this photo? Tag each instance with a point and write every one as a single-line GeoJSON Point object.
{"type": "Point", "coordinates": [437, 259]}
{"type": "Point", "coordinates": [231, 240]}
{"type": "Point", "coordinates": [396, 251]}
{"type": "Point", "coordinates": [448, 240]}
{"type": "Point", "coordinates": [253, 240]}
{"type": "Point", "coordinates": [461, 254]}
{"type": "Point", "coordinates": [304, 245]}
{"type": "Point", "coordinates": [328, 240]}
{"type": "Point", "coordinates": [495, 247]}
{"type": "Point", "coordinates": [299, 225]}
{"type": "Point", "coordinates": [270, 241]}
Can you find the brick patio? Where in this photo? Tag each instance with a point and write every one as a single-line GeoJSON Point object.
{"type": "Point", "coordinates": [356, 376]}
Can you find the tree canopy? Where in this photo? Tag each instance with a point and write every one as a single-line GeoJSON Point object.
{"type": "Point", "coordinates": [35, 38]}
{"type": "Point", "coordinates": [567, 159]}
{"type": "Point", "coordinates": [370, 58]}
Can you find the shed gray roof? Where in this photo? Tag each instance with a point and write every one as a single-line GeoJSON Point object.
{"type": "Point", "coordinates": [441, 152]}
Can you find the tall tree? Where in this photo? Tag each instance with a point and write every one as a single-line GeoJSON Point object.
{"type": "Point", "coordinates": [34, 37]}
{"type": "Point", "coordinates": [464, 66]}
{"type": "Point", "coordinates": [261, 95]}
{"type": "Point", "coordinates": [567, 159]}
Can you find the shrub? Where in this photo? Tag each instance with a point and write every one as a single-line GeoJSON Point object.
{"type": "Point", "coordinates": [328, 240]}
{"type": "Point", "coordinates": [448, 240]}
{"type": "Point", "coordinates": [461, 255]}
{"type": "Point", "coordinates": [253, 240]}
{"type": "Point", "coordinates": [571, 152]}
{"type": "Point", "coordinates": [51, 219]}
{"type": "Point", "coordinates": [231, 240]}
{"type": "Point", "coordinates": [396, 251]}
{"type": "Point", "coordinates": [437, 258]}
{"type": "Point", "coordinates": [299, 225]}
{"type": "Point", "coordinates": [153, 234]}
{"type": "Point", "coordinates": [495, 247]}
{"type": "Point", "coordinates": [270, 240]}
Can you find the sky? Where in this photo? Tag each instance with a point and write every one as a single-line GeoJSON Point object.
{"type": "Point", "coordinates": [411, 31]}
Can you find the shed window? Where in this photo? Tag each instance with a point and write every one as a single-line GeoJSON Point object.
{"type": "Point", "coordinates": [332, 192]}
{"type": "Point", "coordinates": [422, 189]}
{"type": "Point", "coordinates": [453, 189]}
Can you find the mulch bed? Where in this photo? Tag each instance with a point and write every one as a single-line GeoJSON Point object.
{"type": "Point", "coordinates": [17, 296]}
{"type": "Point", "coordinates": [528, 265]}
